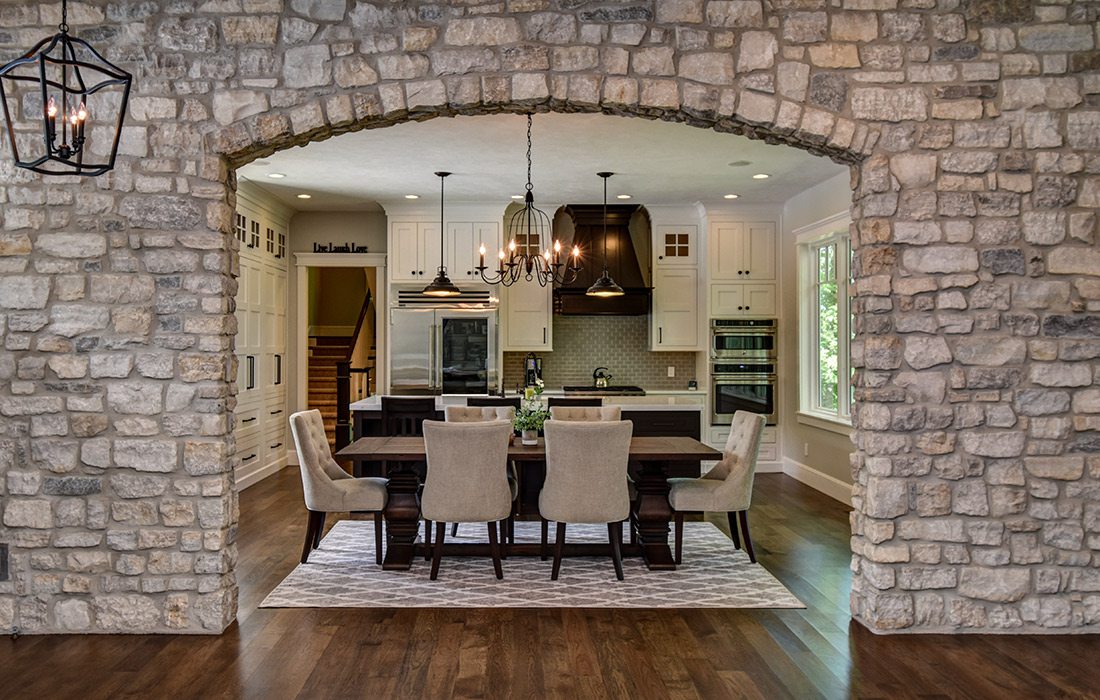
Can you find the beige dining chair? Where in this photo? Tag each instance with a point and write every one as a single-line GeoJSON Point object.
{"type": "Point", "coordinates": [586, 481]}
{"type": "Point", "coordinates": [327, 487]}
{"type": "Point", "coordinates": [725, 488]}
{"type": "Point", "coordinates": [478, 414]}
{"type": "Point", "coordinates": [467, 480]}
{"type": "Point", "coordinates": [586, 413]}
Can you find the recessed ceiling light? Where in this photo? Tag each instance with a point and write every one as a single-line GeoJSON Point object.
{"type": "Point", "coordinates": [276, 176]}
{"type": "Point", "coordinates": [517, 196]}
{"type": "Point", "coordinates": [729, 196]}
{"type": "Point", "coordinates": [761, 176]}
{"type": "Point", "coordinates": [412, 196]}
{"type": "Point", "coordinates": [622, 196]}
{"type": "Point", "coordinates": [305, 196]}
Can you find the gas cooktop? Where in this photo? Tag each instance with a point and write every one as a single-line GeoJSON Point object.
{"type": "Point", "coordinates": [605, 391]}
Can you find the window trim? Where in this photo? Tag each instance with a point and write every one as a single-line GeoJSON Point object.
{"type": "Point", "coordinates": [808, 239]}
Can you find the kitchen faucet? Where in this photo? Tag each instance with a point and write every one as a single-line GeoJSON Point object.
{"type": "Point", "coordinates": [601, 377]}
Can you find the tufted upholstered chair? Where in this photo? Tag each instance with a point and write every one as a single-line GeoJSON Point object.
{"type": "Point", "coordinates": [586, 413]}
{"type": "Point", "coordinates": [327, 487]}
{"type": "Point", "coordinates": [586, 480]}
{"type": "Point", "coordinates": [478, 414]}
{"type": "Point", "coordinates": [467, 480]}
{"type": "Point", "coordinates": [725, 488]}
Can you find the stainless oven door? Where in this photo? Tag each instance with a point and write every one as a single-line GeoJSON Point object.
{"type": "Point", "coordinates": [742, 344]}
{"type": "Point", "coordinates": [742, 392]}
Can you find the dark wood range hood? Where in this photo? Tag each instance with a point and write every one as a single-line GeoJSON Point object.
{"type": "Point", "coordinates": [622, 262]}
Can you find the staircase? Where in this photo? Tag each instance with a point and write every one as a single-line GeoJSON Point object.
{"type": "Point", "coordinates": [324, 353]}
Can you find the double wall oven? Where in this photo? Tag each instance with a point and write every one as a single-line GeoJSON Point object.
{"type": "Point", "coordinates": [743, 368]}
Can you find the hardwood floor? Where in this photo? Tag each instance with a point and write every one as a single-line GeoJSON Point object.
{"type": "Point", "coordinates": [800, 535]}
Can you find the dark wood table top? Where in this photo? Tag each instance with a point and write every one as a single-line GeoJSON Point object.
{"type": "Point", "coordinates": [664, 449]}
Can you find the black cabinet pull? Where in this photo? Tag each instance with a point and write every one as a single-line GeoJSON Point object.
{"type": "Point", "coordinates": [251, 372]}
{"type": "Point", "coordinates": [251, 456]}
{"type": "Point", "coordinates": [272, 447]}
{"type": "Point", "coordinates": [739, 308]}
{"type": "Point", "coordinates": [249, 420]}
{"type": "Point", "coordinates": [660, 335]}
{"type": "Point", "coordinates": [278, 370]}
{"type": "Point", "coordinates": [275, 413]}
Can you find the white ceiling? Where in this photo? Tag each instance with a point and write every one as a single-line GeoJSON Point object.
{"type": "Point", "coordinates": [656, 162]}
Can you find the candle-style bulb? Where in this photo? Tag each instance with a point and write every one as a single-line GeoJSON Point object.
{"type": "Point", "coordinates": [512, 246]}
{"type": "Point", "coordinates": [576, 251]}
{"type": "Point", "coordinates": [51, 108]}
{"type": "Point", "coordinates": [557, 247]}
{"type": "Point", "coordinates": [481, 250]}
{"type": "Point", "coordinates": [82, 112]}
{"type": "Point", "coordinates": [501, 254]}
{"type": "Point", "coordinates": [546, 254]}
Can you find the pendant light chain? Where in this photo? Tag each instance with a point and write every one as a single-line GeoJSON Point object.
{"type": "Point", "coordinates": [64, 26]}
{"type": "Point", "coordinates": [605, 225]}
{"type": "Point", "coordinates": [530, 187]}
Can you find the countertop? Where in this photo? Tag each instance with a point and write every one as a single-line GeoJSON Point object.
{"type": "Point", "coordinates": [656, 400]}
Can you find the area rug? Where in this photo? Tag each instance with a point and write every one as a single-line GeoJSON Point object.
{"type": "Point", "coordinates": [341, 573]}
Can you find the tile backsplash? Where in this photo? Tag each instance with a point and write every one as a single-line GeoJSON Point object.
{"type": "Point", "coordinates": [620, 343]}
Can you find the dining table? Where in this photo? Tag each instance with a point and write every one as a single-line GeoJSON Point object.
{"type": "Point", "coordinates": [650, 509]}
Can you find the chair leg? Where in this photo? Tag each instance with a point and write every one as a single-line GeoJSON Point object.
{"type": "Point", "coordinates": [559, 547]}
{"type": "Point", "coordinates": [378, 537]}
{"type": "Point", "coordinates": [545, 536]}
{"type": "Point", "coordinates": [454, 529]}
{"type": "Point", "coordinates": [743, 516]}
{"type": "Point", "coordinates": [615, 535]}
{"type": "Point", "coordinates": [428, 540]}
{"type": "Point", "coordinates": [320, 529]}
{"type": "Point", "coordinates": [679, 517]}
{"type": "Point", "coordinates": [501, 526]}
{"type": "Point", "coordinates": [733, 530]}
{"type": "Point", "coordinates": [511, 529]}
{"type": "Point", "coordinates": [437, 549]}
{"type": "Point", "coordinates": [494, 549]}
{"type": "Point", "coordinates": [632, 523]}
{"type": "Point", "coordinates": [313, 525]}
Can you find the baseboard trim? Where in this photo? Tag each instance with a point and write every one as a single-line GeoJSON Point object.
{"type": "Point", "coordinates": [819, 481]}
{"type": "Point", "coordinates": [769, 468]}
{"type": "Point", "coordinates": [259, 473]}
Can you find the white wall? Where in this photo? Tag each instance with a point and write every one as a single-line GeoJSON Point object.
{"type": "Point", "coordinates": [307, 228]}
{"type": "Point", "coordinates": [821, 450]}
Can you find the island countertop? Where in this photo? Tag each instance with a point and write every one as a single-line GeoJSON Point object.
{"type": "Point", "coordinates": [656, 400]}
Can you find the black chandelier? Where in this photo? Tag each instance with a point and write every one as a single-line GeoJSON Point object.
{"type": "Point", "coordinates": [59, 81]}
{"type": "Point", "coordinates": [531, 227]}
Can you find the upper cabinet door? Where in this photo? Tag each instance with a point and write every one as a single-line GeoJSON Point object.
{"type": "Point", "coordinates": [528, 316]}
{"type": "Point", "coordinates": [674, 246]}
{"type": "Point", "coordinates": [675, 318]}
{"type": "Point", "coordinates": [404, 253]}
{"type": "Point", "coordinates": [759, 255]}
{"type": "Point", "coordinates": [461, 251]}
{"type": "Point", "coordinates": [429, 251]}
{"type": "Point", "coordinates": [727, 243]}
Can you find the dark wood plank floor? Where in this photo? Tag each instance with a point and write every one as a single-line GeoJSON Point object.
{"type": "Point", "coordinates": [800, 535]}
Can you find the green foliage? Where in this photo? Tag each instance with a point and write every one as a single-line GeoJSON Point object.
{"type": "Point", "coordinates": [530, 417]}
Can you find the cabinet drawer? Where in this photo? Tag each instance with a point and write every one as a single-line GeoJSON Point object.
{"type": "Point", "coordinates": [249, 453]}
{"type": "Point", "coordinates": [249, 422]}
{"type": "Point", "coordinates": [768, 453]}
{"type": "Point", "coordinates": [769, 435]}
{"type": "Point", "coordinates": [664, 423]}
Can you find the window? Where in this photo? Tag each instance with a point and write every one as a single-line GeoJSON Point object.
{"type": "Point", "coordinates": [825, 338]}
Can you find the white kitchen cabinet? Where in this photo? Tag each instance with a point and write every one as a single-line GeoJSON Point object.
{"type": "Point", "coordinates": [742, 251]}
{"type": "Point", "coordinates": [261, 415]}
{"type": "Point", "coordinates": [743, 300]}
{"type": "Point", "coordinates": [528, 317]}
{"type": "Point", "coordinates": [675, 245]}
{"type": "Point", "coordinates": [413, 251]}
{"type": "Point", "coordinates": [464, 239]}
{"type": "Point", "coordinates": [674, 323]}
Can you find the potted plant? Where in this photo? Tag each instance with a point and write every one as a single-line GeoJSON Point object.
{"type": "Point", "coordinates": [528, 421]}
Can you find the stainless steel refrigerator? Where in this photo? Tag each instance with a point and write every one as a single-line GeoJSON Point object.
{"type": "Point", "coordinates": [443, 350]}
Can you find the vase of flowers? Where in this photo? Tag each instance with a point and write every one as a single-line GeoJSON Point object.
{"type": "Point", "coordinates": [529, 419]}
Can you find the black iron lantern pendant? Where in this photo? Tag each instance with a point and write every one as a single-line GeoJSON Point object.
{"type": "Point", "coordinates": [60, 101]}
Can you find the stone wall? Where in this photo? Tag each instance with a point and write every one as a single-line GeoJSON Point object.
{"type": "Point", "coordinates": [975, 128]}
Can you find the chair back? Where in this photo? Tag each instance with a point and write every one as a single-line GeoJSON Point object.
{"type": "Point", "coordinates": [317, 466]}
{"type": "Point", "coordinates": [401, 417]}
{"type": "Point", "coordinates": [586, 465]}
{"type": "Point", "coordinates": [467, 479]}
{"type": "Point", "coordinates": [512, 401]}
{"type": "Point", "coordinates": [574, 401]}
{"type": "Point", "coordinates": [479, 414]}
{"type": "Point", "coordinates": [737, 467]}
{"type": "Point", "coordinates": [586, 413]}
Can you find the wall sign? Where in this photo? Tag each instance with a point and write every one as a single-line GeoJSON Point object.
{"type": "Point", "coordinates": [334, 248]}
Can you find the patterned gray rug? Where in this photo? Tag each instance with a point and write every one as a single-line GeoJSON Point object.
{"type": "Point", "coordinates": [341, 573]}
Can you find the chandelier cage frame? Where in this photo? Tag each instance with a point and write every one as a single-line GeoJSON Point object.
{"type": "Point", "coordinates": [68, 72]}
{"type": "Point", "coordinates": [524, 260]}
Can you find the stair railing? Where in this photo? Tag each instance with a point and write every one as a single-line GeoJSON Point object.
{"type": "Point", "coordinates": [344, 396]}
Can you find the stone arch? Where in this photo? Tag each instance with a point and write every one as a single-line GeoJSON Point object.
{"type": "Point", "coordinates": [975, 196]}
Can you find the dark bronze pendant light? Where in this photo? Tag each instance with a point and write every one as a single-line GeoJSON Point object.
{"type": "Point", "coordinates": [55, 91]}
{"type": "Point", "coordinates": [441, 286]}
{"type": "Point", "coordinates": [605, 286]}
